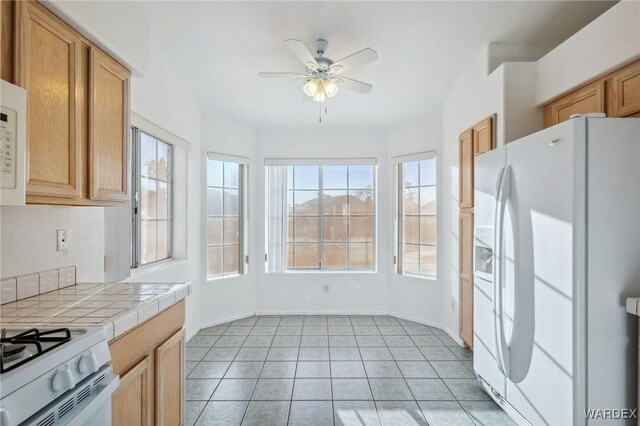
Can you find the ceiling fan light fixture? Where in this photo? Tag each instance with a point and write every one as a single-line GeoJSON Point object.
{"type": "Point", "coordinates": [330, 88]}
{"type": "Point", "coordinates": [320, 95]}
{"type": "Point", "coordinates": [310, 88]}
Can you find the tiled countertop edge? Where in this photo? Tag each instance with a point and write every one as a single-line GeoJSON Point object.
{"type": "Point", "coordinates": [633, 305]}
{"type": "Point", "coordinates": [125, 321]}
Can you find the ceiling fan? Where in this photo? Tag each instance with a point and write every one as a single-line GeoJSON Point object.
{"type": "Point", "coordinates": [323, 77]}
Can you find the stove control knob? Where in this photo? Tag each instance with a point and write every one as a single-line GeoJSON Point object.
{"type": "Point", "coordinates": [63, 380]}
{"type": "Point", "coordinates": [88, 363]}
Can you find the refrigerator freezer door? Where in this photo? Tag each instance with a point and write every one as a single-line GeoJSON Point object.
{"type": "Point", "coordinates": [538, 302]}
{"type": "Point", "coordinates": [488, 169]}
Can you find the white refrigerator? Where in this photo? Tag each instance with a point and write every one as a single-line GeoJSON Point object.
{"type": "Point", "coordinates": [557, 252]}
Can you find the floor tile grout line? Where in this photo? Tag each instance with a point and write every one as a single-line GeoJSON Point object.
{"type": "Point", "coordinates": [366, 374]}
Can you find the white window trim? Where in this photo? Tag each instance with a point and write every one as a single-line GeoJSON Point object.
{"type": "Point", "coordinates": [321, 162]}
{"type": "Point", "coordinates": [246, 163]}
{"type": "Point", "coordinates": [427, 155]}
{"type": "Point", "coordinates": [157, 131]}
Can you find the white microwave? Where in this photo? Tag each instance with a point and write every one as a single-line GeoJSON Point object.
{"type": "Point", "coordinates": [13, 142]}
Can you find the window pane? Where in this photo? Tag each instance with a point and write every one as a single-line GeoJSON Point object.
{"type": "Point", "coordinates": [163, 201]}
{"type": "Point", "coordinates": [334, 177]}
{"type": "Point", "coordinates": [290, 255]}
{"type": "Point", "coordinates": [148, 198]}
{"type": "Point", "coordinates": [428, 261]}
{"type": "Point", "coordinates": [231, 202]}
{"type": "Point", "coordinates": [307, 203]}
{"type": "Point", "coordinates": [147, 155]}
{"type": "Point", "coordinates": [214, 230]}
{"type": "Point", "coordinates": [290, 228]}
{"type": "Point", "coordinates": [162, 243]}
{"type": "Point", "coordinates": [163, 161]}
{"type": "Point", "coordinates": [361, 202]}
{"type": "Point", "coordinates": [147, 242]}
{"type": "Point", "coordinates": [231, 259]}
{"type": "Point", "coordinates": [306, 229]}
{"type": "Point", "coordinates": [231, 230]}
{"type": "Point", "coordinates": [231, 175]}
{"type": "Point", "coordinates": [361, 229]}
{"type": "Point", "coordinates": [289, 202]}
{"type": "Point", "coordinates": [411, 201]}
{"type": "Point", "coordinates": [334, 256]}
{"type": "Point", "coordinates": [214, 173]}
{"type": "Point", "coordinates": [411, 264]}
{"type": "Point", "coordinates": [361, 255]}
{"type": "Point", "coordinates": [306, 255]}
{"type": "Point", "coordinates": [428, 230]}
{"type": "Point", "coordinates": [290, 177]}
{"type": "Point", "coordinates": [334, 228]}
{"type": "Point", "coordinates": [428, 200]}
{"type": "Point", "coordinates": [214, 261]}
{"type": "Point", "coordinates": [335, 203]}
{"type": "Point", "coordinates": [410, 173]}
{"type": "Point", "coordinates": [305, 177]}
{"type": "Point", "coordinates": [411, 230]}
{"type": "Point", "coordinates": [361, 177]}
{"type": "Point", "coordinates": [428, 172]}
{"type": "Point", "coordinates": [214, 201]}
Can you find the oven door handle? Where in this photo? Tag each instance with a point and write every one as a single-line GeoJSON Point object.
{"type": "Point", "coordinates": [102, 397]}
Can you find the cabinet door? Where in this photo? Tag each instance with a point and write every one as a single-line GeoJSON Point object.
{"type": "Point", "coordinates": [466, 278]}
{"type": "Point", "coordinates": [625, 91]}
{"type": "Point", "coordinates": [466, 169]}
{"type": "Point", "coordinates": [109, 129]}
{"type": "Point", "coordinates": [132, 402]}
{"type": "Point", "coordinates": [48, 67]}
{"type": "Point", "coordinates": [483, 140]}
{"type": "Point", "coordinates": [170, 380]}
{"type": "Point", "coordinates": [588, 99]}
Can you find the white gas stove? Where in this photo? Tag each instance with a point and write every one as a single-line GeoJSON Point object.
{"type": "Point", "coordinates": [55, 376]}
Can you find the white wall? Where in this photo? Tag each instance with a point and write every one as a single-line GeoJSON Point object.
{"type": "Point", "coordinates": [28, 240]}
{"type": "Point", "coordinates": [610, 41]}
{"type": "Point", "coordinates": [234, 297]}
{"type": "Point", "coordinates": [415, 298]}
{"type": "Point", "coordinates": [351, 292]}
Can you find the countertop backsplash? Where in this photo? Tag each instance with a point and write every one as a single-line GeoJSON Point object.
{"type": "Point", "coordinates": [29, 285]}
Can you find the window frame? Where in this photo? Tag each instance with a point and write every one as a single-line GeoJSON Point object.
{"type": "Point", "coordinates": [399, 187]}
{"type": "Point", "coordinates": [321, 215]}
{"type": "Point", "coordinates": [136, 186]}
{"type": "Point", "coordinates": [243, 214]}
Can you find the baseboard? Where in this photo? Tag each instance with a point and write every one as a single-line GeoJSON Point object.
{"type": "Point", "coordinates": [193, 333]}
{"type": "Point", "coordinates": [321, 313]}
{"type": "Point", "coordinates": [454, 336]}
{"type": "Point", "coordinates": [227, 319]}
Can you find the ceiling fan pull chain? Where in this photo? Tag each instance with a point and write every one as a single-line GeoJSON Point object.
{"type": "Point", "coordinates": [320, 113]}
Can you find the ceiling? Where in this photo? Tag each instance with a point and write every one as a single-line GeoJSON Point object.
{"type": "Point", "coordinates": [423, 48]}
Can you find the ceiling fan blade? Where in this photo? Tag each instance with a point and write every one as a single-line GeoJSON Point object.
{"type": "Point", "coordinates": [351, 84]}
{"type": "Point", "coordinates": [359, 58]}
{"type": "Point", "coordinates": [281, 75]}
{"type": "Point", "coordinates": [300, 50]}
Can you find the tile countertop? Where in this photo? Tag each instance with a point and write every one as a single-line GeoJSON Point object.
{"type": "Point", "coordinates": [633, 305]}
{"type": "Point", "coordinates": [117, 306]}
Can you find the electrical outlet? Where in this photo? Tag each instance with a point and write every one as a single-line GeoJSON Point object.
{"type": "Point", "coordinates": [63, 239]}
{"type": "Point", "coordinates": [325, 289]}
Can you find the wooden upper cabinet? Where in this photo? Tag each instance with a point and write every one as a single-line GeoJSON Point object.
{"type": "Point", "coordinates": [109, 128]}
{"type": "Point", "coordinates": [483, 140]}
{"type": "Point", "coordinates": [48, 67]}
{"type": "Point", "coordinates": [624, 91]}
{"type": "Point", "coordinates": [132, 402]}
{"type": "Point", "coordinates": [170, 380]}
{"type": "Point", "coordinates": [467, 154]}
{"type": "Point", "coordinates": [585, 100]}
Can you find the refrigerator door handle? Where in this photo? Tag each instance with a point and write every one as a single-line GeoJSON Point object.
{"type": "Point", "coordinates": [503, 187]}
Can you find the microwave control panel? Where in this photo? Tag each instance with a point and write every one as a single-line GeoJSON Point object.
{"type": "Point", "coordinates": [8, 127]}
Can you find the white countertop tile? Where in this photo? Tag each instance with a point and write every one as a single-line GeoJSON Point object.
{"type": "Point", "coordinates": [116, 306]}
{"type": "Point", "coordinates": [633, 305]}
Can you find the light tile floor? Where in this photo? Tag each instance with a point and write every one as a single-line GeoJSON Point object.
{"type": "Point", "coordinates": [332, 370]}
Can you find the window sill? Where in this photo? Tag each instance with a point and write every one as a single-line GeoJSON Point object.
{"type": "Point", "coordinates": [155, 267]}
{"type": "Point", "coordinates": [225, 277]}
{"type": "Point", "coordinates": [327, 271]}
{"type": "Point", "coordinates": [418, 277]}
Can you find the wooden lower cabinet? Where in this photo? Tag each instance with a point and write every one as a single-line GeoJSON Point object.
{"type": "Point", "coordinates": [170, 380]}
{"type": "Point", "coordinates": [466, 278]}
{"type": "Point", "coordinates": [150, 362]}
{"type": "Point", "coordinates": [132, 401]}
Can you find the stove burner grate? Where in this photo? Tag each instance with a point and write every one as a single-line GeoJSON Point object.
{"type": "Point", "coordinates": [33, 338]}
